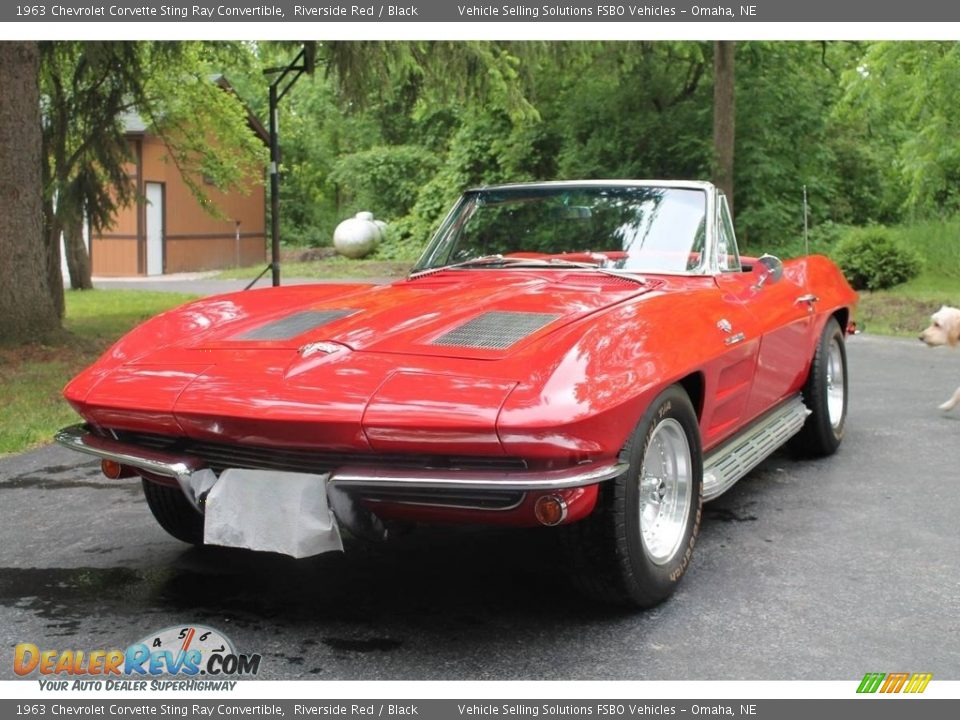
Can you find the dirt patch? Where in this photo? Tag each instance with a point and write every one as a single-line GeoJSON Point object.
{"type": "Point", "coordinates": [894, 314]}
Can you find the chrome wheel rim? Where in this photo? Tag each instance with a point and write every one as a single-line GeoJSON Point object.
{"type": "Point", "coordinates": [836, 387]}
{"type": "Point", "coordinates": [666, 491]}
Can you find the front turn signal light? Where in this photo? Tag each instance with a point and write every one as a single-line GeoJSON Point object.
{"type": "Point", "coordinates": [550, 510]}
{"type": "Point", "coordinates": [114, 470]}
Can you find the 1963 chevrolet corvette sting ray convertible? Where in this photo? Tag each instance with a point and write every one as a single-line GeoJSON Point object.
{"type": "Point", "coordinates": [594, 355]}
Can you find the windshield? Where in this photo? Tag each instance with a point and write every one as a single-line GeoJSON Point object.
{"type": "Point", "coordinates": [632, 228]}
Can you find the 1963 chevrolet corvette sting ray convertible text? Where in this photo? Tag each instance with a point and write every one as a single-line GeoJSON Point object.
{"type": "Point", "coordinates": [594, 355]}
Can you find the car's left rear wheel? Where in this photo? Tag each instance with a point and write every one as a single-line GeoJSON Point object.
{"type": "Point", "coordinates": [637, 544]}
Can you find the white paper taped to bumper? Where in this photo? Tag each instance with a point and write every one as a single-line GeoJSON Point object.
{"type": "Point", "coordinates": [273, 511]}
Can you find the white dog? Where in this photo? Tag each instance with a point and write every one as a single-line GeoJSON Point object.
{"type": "Point", "coordinates": [944, 330]}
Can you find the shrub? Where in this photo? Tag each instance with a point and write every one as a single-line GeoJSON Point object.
{"type": "Point", "coordinates": [385, 180]}
{"type": "Point", "coordinates": [821, 241]}
{"type": "Point", "coordinates": [872, 260]}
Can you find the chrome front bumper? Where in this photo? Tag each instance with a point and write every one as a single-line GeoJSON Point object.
{"type": "Point", "coordinates": [183, 467]}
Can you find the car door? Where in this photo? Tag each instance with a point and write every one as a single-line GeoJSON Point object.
{"type": "Point", "coordinates": [784, 311]}
{"type": "Point", "coordinates": [733, 339]}
{"type": "Point", "coordinates": [737, 336]}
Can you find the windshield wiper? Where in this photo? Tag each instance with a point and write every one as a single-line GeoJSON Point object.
{"type": "Point", "coordinates": [483, 261]}
{"type": "Point", "coordinates": [555, 262]}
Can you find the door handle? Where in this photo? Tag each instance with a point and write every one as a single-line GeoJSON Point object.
{"type": "Point", "coordinates": [809, 299]}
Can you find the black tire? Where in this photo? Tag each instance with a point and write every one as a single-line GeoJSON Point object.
{"type": "Point", "coordinates": [823, 431]}
{"type": "Point", "coordinates": [174, 512]}
{"type": "Point", "coordinates": [611, 559]}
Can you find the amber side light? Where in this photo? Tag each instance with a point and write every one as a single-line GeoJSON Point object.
{"type": "Point", "coordinates": [550, 510]}
{"type": "Point", "coordinates": [114, 470]}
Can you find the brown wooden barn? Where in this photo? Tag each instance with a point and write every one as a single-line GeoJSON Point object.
{"type": "Point", "coordinates": [166, 230]}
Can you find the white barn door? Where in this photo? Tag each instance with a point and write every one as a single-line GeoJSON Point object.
{"type": "Point", "coordinates": [154, 228]}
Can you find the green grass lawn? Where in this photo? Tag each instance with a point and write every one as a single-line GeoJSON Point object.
{"type": "Point", "coordinates": [32, 376]}
{"type": "Point", "coordinates": [333, 268]}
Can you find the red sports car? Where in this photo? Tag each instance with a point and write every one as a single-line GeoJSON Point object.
{"type": "Point", "coordinates": [594, 355]}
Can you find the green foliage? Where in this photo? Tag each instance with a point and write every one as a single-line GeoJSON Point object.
{"type": "Point", "coordinates": [83, 99]}
{"type": "Point", "coordinates": [314, 133]}
{"type": "Point", "coordinates": [820, 241]}
{"type": "Point", "coordinates": [872, 260]}
{"type": "Point", "coordinates": [937, 242]}
{"type": "Point", "coordinates": [385, 179]}
{"type": "Point", "coordinates": [373, 125]}
{"type": "Point", "coordinates": [204, 125]}
{"type": "Point", "coordinates": [487, 147]}
{"type": "Point", "coordinates": [632, 110]}
{"type": "Point", "coordinates": [465, 72]}
{"type": "Point", "coordinates": [904, 309]}
{"type": "Point", "coordinates": [401, 128]}
{"type": "Point", "coordinates": [902, 96]}
{"type": "Point", "coordinates": [784, 140]}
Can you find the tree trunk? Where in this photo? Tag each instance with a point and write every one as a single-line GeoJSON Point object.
{"type": "Point", "coordinates": [27, 309]}
{"type": "Point", "coordinates": [724, 112]}
{"type": "Point", "coordinates": [78, 259]}
{"type": "Point", "coordinates": [55, 270]}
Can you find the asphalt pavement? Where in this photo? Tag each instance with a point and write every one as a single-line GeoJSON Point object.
{"type": "Point", "coordinates": [816, 570]}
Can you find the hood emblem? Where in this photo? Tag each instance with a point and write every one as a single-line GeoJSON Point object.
{"type": "Point", "coordinates": [320, 347]}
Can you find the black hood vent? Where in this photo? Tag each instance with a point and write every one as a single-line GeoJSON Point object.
{"type": "Point", "coordinates": [294, 325]}
{"type": "Point", "coordinates": [496, 330]}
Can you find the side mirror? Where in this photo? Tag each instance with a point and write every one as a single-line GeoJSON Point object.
{"type": "Point", "coordinates": [771, 272]}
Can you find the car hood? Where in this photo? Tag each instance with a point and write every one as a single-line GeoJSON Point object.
{"type": "Point", "coordinates": [381, 368]}
{"type": "Point", "coordinates": [483, 315]}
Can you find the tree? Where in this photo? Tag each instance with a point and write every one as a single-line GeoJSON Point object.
{"type": "Point", "coordinates": [385, 107]}
{"type": "Point", "coordinates": [902, 96]}
{"type": "Point", "coordinates": [88, 90]}
{"type": "Point", "coordinates": [27, 310]}
{"type": "Point", "coordinates": [85, 90]}
{"type": "Point", "coordinates": [628, 110]}
{"type": "Point", "coordinates": [378, 111]}
{"type": "Point", "coordinates": [724, 116]}
{"type": "Point", "coordinates": [787, 139]}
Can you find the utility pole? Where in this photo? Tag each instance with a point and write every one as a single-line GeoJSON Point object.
{"type": "Point", "coordinates": [286, 78]}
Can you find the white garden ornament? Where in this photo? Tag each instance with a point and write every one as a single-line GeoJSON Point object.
{"type": "Point", "coordinates": [358, 236]}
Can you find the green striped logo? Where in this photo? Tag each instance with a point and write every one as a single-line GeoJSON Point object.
{"type": "Point", "coordinates": [894, 682]}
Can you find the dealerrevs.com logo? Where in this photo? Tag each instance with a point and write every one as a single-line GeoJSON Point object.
{"type": "Point", "coordinates": [174, 658]}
